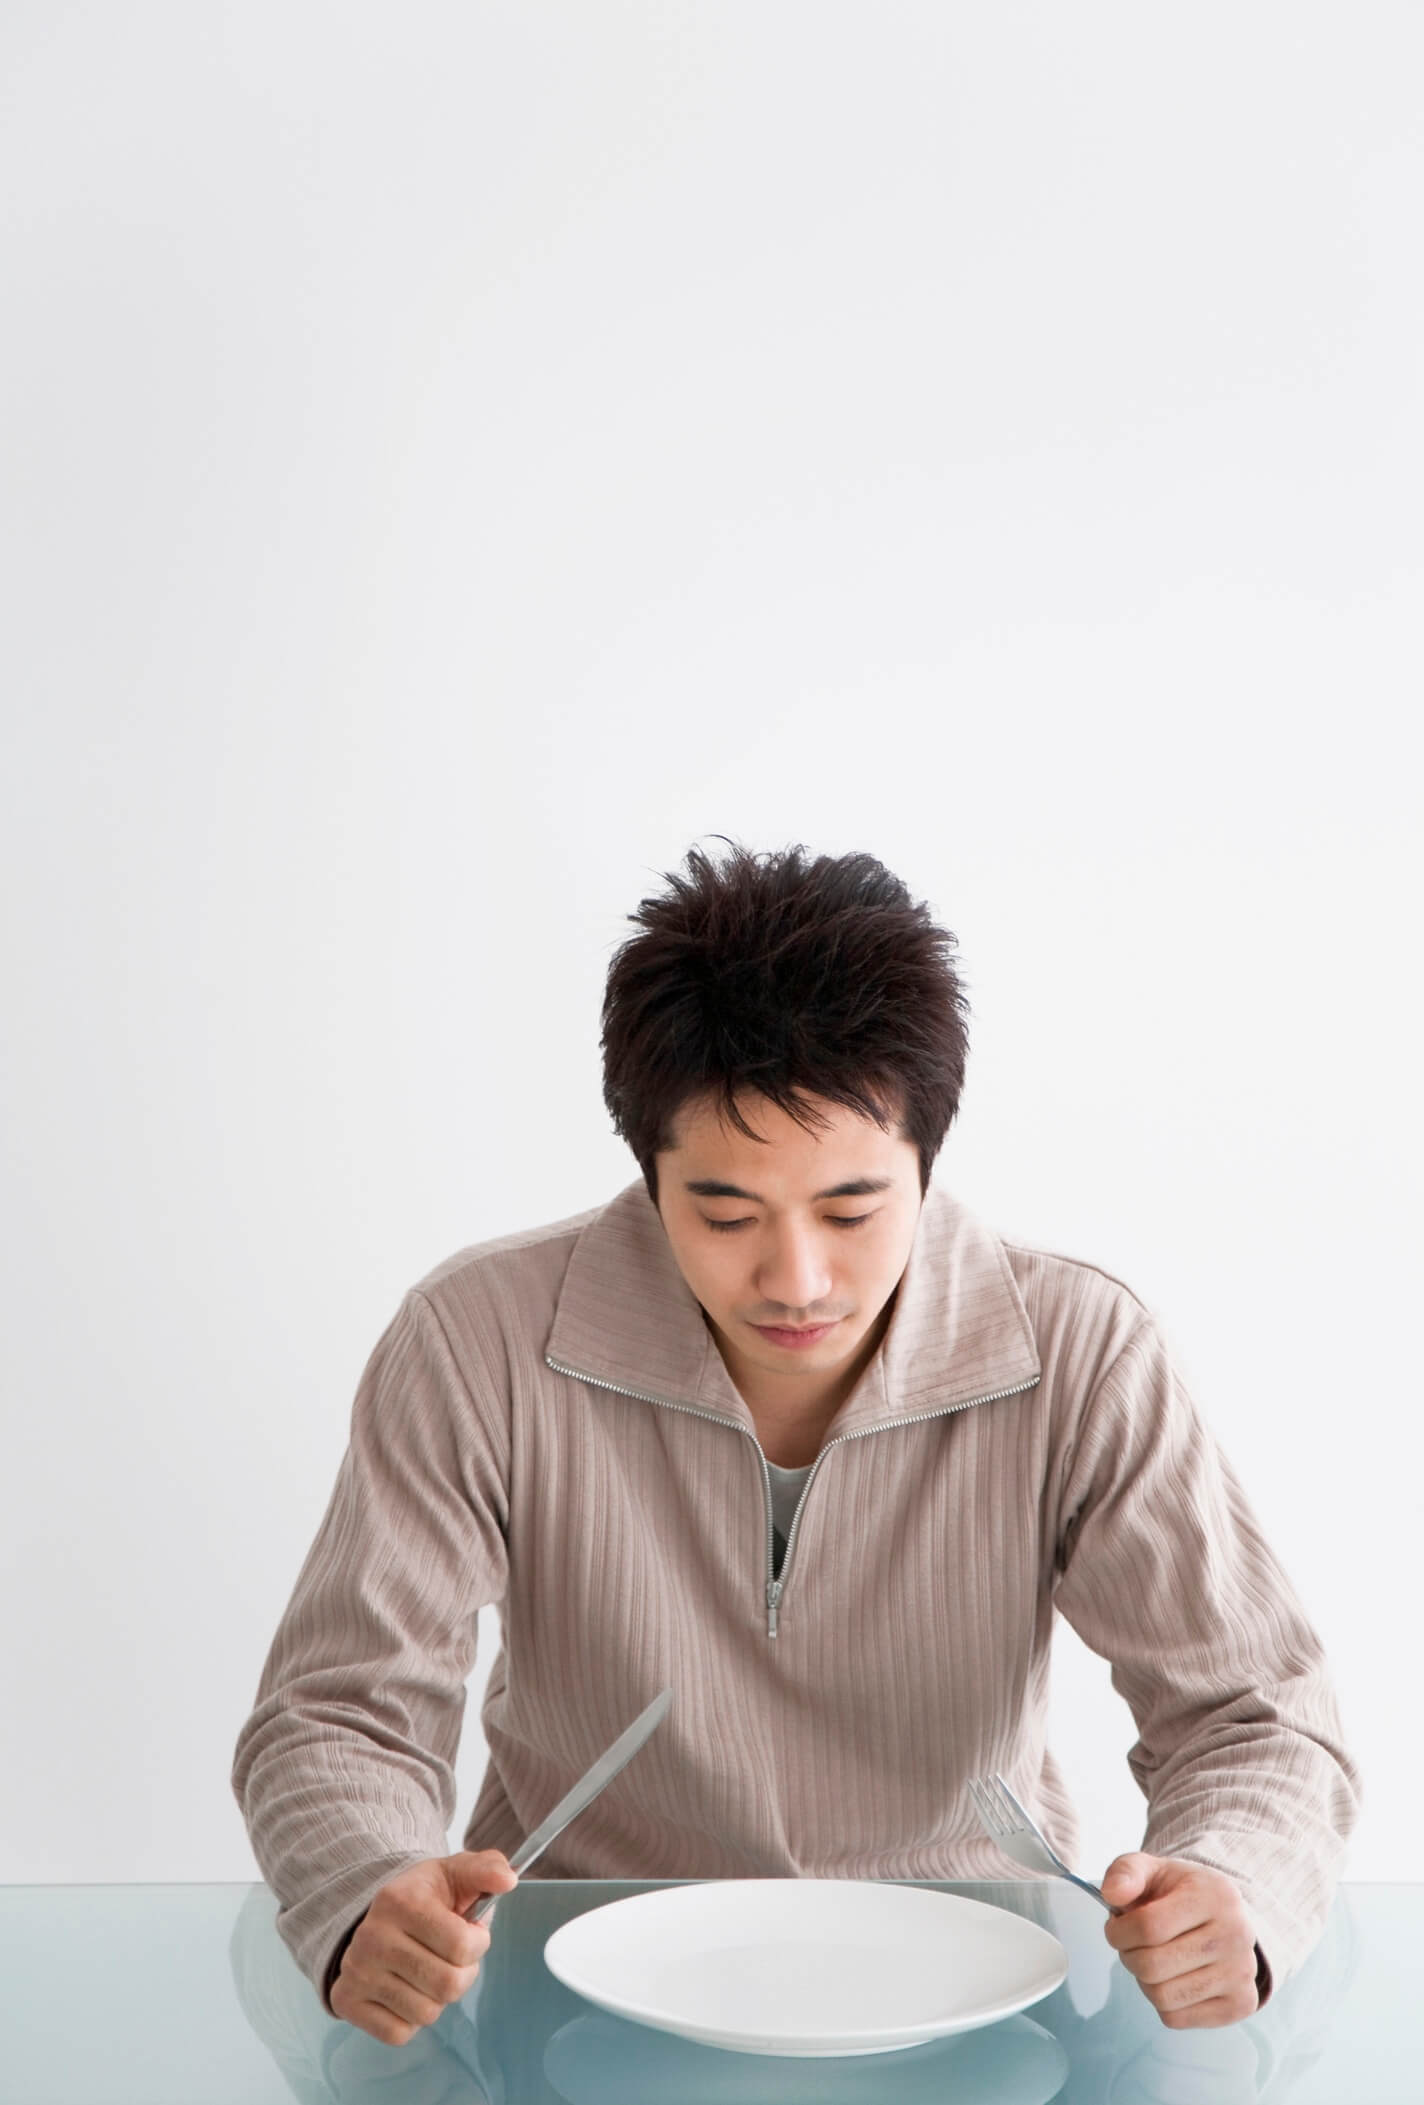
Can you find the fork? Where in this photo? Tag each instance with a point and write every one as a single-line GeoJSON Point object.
{"type": "Point", "coordinates": [1006, 1823]}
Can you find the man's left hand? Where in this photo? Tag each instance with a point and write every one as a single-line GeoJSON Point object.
{"type": "Point", "coordinates": [1184, 1936]}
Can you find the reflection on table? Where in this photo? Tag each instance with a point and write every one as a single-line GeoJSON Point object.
{"type": "Point", "coordinates": [521, 2038]}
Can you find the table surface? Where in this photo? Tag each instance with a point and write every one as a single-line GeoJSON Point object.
{"type": "Point", "coordinates": [186, 1995]}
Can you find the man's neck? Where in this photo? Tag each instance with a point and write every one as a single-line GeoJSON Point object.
{"type": "Point", "coordinates": [792, 1418]}
{"type": "Point", "coordinates": [792, 1445]}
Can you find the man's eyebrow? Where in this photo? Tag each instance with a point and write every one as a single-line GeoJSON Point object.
{"type": "Point", "coordinates": [853, 1188]}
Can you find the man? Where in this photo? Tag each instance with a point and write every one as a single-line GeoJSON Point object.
{"type": "Point", "coordinates": [785, 1426]}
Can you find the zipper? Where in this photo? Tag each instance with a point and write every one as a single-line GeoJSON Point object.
{"type": "Point", "coordinates": [775, 1587]}
{"type": "Point", "coordinates": [715, 1417]}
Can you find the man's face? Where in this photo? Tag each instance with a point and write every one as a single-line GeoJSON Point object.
{"type": "Point", "coordinates": [788, 1233]}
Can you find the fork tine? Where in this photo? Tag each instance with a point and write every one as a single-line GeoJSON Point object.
{"type": "Point", "coordinates": [986, 1805]}
{"type": "Point", "coordinates": [1019, 1822]}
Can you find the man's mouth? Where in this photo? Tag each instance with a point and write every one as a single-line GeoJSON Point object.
{"type": "Point", "coordinates": [795, 1339]}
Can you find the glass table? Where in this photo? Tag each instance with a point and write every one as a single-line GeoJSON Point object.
{"type": "Point", "coordinates": [186, 1995]}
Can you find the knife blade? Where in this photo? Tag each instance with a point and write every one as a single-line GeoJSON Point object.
{"type": "Point", "coordinates": [583, 1794]}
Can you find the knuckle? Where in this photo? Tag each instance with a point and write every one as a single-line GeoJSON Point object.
{"type": "Point", "coordinates": [411, 2006]}
{"type": "Point", "coordinates": [452, 1982]}
{"type": "Point", "coordinates": [396, 2010]}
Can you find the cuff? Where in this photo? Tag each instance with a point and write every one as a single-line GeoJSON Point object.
{"type": "Point", "coordinates": [334, 1965]}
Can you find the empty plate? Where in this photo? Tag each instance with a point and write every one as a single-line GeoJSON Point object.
{"type": "Point", "coordinates": [806, 1965]}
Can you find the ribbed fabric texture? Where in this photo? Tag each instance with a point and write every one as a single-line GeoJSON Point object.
{"type": "Point", "coordinates": [1022, 1443]}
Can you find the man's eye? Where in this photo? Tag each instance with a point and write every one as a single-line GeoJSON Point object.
{"type": "Point", "coordinates": [849, 1220]}
{"type": "Point", "coordinates": [723, 1226]}
{"type": "Point", "coordinates": [837, 1220]}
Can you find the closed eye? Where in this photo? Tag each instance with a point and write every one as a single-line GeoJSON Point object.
{"type": "Point", "coordinates": [836, 1220]}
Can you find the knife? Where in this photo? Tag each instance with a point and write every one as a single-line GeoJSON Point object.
{"type": "Point", "coordinates": [583, 1793]}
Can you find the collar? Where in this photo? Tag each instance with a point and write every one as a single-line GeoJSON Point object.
{"type": "Point", "coordinates": [959, 1332]}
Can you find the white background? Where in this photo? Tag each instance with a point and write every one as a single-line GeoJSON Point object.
{"type": "Point", "coordinates": [458, 456]}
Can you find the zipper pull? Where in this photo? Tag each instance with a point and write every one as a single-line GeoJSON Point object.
{"type": "Point", "coordinates": [773, 1598]}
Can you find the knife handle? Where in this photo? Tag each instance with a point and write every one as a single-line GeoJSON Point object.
{"type": "Point", "coordinates": [487, 1902]}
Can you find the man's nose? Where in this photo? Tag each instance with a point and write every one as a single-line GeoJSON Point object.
{"type": "Point", "coordinates": [794, 1274]}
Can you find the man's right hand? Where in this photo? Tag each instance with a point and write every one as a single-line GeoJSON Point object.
{"type": "Point", "coordinates": [413, 1952]}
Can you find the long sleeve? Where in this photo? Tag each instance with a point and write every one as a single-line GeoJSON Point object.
{"type": "Point", "coordinates": [1165, 1573]}
{"type": "Point", "coordinates": [344, 1770]}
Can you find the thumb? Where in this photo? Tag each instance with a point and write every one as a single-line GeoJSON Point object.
{"type": "Point", "coordinates": [1128, 1877]}
{"type": "Point", "coordinates": [471, 1873]}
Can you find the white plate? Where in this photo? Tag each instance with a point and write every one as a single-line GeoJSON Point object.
{"type": "Point", "coordinates": [806, 1965]}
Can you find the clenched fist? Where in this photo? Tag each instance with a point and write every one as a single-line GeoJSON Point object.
{"type": "Point", "coordinates": [1182, 1932]}
{"type": "Point", "coordinates": [413, 1952]}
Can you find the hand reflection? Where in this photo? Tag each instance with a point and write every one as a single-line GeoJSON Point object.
{"type": "Point", "coordinates": [327, 2062]}
{"type": "Point", "coordinates": [1220, 2067]}
{"type": "Point", "coordinates": [429, 2069]}
{"type": "Point", "coordinates": [1121, 2054]}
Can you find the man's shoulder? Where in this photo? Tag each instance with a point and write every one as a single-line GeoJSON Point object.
{"type": "Point", "coordinates": [1045, 1278]}
{"type": "Point", "coordinates": [1082, 1315]}
{"type": "Point", "coordinates": [1057, 1275]}
{"type": "Point", "coordinates": [533, 1256]}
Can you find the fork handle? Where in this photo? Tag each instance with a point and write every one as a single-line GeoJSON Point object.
{"type": "Point", "coordinates": [1096, 1891]}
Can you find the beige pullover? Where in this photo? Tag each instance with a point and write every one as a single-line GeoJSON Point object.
{"type": "Point", "coordinates": [547, 1425]}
